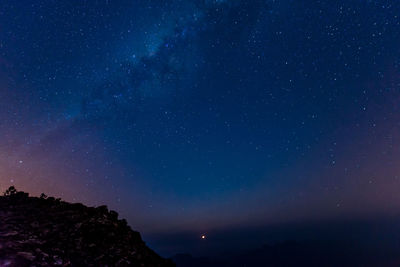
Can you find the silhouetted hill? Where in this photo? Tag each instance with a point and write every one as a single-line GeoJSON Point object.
{"type": "Point", "coordinates": [50, 232]}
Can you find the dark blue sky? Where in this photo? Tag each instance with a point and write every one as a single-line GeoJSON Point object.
{"type": "Point", "coordinates": [202, 114]}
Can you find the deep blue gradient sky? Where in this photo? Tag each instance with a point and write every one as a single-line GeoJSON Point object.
{"type": "Point", "coordinates": [203, 114]}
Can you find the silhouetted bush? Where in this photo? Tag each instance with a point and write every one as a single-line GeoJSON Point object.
{"type": "Point", "coordinates": [10, 191]}
{"type": "Point", "coordinates": [102, 209]}
{"type": "Point", "coordinates": [123, 223]}
{"type": "Point", "coordinates": [113, 215]}
{"type": "Point", "coordinates": [21, 194]}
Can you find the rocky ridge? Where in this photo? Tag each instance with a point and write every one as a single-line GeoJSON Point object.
{"type": "Point", "coordinates": [49, 232]}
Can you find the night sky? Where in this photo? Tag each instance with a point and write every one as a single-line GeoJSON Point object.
{"type": "Point", "coordinates": [195, 115]}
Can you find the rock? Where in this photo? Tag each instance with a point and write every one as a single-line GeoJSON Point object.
{"type": "Point", "coordinates": [50, 232]}
{"type": "Point", "coordinates": [26, 255]}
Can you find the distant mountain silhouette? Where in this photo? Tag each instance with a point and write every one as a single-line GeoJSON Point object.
{"type": "Point", "coordinates": [49, 232]}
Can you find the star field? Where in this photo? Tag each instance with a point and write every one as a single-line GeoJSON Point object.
{"type": "Point", "coordinates": [203, 114]}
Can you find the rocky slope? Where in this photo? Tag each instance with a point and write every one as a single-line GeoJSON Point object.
{"type": "Point", "coordinates": [50, 232]}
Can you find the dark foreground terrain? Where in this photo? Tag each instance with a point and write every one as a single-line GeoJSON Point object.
{"type": "Point", "coordinates": [50, 232]}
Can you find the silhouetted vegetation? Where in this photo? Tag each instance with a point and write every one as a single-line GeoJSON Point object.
{"type": "Point", "coordinates": [10, 191]}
